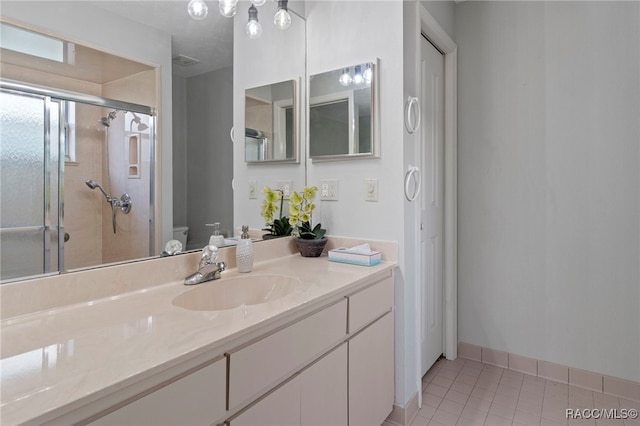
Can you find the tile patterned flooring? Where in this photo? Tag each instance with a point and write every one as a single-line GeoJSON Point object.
{"type": "Point", "coordinates": [470, 393]}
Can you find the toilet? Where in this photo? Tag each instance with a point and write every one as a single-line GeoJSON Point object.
{"type": "Point", "coordinates": [180, 233]}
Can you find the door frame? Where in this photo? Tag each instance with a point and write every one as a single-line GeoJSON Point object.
{"type": "Point", "coordinates": [441, 40]}
{"type": "Point", "coordinates": [432, 30]}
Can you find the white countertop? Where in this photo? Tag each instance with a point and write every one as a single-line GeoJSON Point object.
{"type": "Point", "coordinates": [64, 358]}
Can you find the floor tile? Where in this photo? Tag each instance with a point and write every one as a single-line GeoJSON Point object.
{"type": "Point", "coordinates": [470, 393]}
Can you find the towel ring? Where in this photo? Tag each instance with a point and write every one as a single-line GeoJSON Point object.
{"type": "Point", "coordinates": [411, 103]}
{"type": "Point", "coordinates": [413, 173]}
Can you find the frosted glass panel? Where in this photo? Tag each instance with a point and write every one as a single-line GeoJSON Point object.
{"type": "Point", "coordinates": [21, 160]}
{"type": "Point", "coordinates": [22, 253]}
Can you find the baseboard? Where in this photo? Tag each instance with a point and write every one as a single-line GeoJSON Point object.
{"type": "Point", "coordinates": [596, 382]}
{"type": "Point", "coordinates": [403, 416]}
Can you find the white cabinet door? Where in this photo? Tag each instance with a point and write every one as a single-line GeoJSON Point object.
{"type": "Point", "coordinates": [196, 399]}
{"type": "Point", "coordinates": [279, 408]}
{"type": "Point", "coordinates": [324, 390]}
{"type": "Point", "coordinates": [371, 382]}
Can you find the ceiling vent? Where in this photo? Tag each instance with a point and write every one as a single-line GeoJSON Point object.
{"type": "Point", "coordinates": [184, 60]}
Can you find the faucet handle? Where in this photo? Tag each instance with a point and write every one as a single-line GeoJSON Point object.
{"type": "Point", "coordinates": [209, 255]}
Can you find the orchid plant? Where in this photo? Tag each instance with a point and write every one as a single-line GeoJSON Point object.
{"type": "Point", "coordinates": [277, 227]}
{"type": "Point", "coordinates": [300, 214]}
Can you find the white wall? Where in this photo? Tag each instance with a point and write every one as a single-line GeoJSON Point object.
{"type": "Point", "coordinates": [179, 149]}
{"type": "Point", "coordinates": [549, 176]}
{"type": "Point", "coordinates": [343, 33]}
{"type": "Point", "coordinates": [84, 23]}
{"type": "Point", "coordinates": [209, 150]}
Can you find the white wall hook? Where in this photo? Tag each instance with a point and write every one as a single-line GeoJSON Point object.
{"type": "Point", "coordinates": [412, 116]}
{"type": "Point", "coordinates": [413, 174]}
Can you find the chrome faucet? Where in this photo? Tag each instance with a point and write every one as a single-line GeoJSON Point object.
{"type": "Point", "coordinates": [208, 268]}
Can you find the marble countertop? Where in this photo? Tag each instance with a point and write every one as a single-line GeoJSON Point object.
{"type": "Point", "coordinates": [64, 358]}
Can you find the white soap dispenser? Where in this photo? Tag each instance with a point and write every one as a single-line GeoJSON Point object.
{"type": "Point", "coordinates": [216, 239]}
{"type": "Point", "coordinates": [244, 251]}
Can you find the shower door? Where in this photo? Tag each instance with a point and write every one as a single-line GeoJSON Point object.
{"type": "Point", "coordinates": [31, 169]}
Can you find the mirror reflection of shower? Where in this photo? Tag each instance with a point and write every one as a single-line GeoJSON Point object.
{"type": "Point", "coordinates": [124, 202]}
{"type": "Point", "coordinates": [54, 178]}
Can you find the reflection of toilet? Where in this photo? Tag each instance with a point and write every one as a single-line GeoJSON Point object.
{"type": "Point", "coordinates": [180, 233]}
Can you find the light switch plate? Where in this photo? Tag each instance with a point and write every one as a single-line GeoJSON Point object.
{"type": "Point", "coordinates": [329, 190]}
{"type": "Point", "coordinates": [286, 186]}
{"type": "Point", "coordinates": [371, 189]}
{"type": "Point", "coordinates": [253, 189]}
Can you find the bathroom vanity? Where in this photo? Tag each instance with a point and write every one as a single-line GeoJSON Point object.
{"type": "Point", "coordinates": [317, 350]}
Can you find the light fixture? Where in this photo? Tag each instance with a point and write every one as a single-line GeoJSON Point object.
{"type": "Point", "coordinates": [253, 28]}
{"type": "Point", "coordinates": [228, 8]}
{"type": "Point", "coordinates": [258, 2]}
{"type": "Point", "coordinates": [345, 78]}
{"type": "Point", "coordinates": [357, 76]}
{"type": "Point", "coordinates": [367, 74]}
{"type": "Point", "coordinates": [282, 19]}
{"type": "Point", "coordinates": [197, 9]}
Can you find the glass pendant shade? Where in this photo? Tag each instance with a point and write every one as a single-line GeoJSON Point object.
{"type": "Point", "coordinates": [282, 19]}
{"type": "Point", "coordinates": [357, 77]}
{"type": "Point", "coordinates": [345, 78]}
{"type": "Point", "coordinates": [197, 9]}
{"type": "Point", "coordinates": [367, 74]}
{"type": "Point", "coordinates": [253, 27]}
{"type": "Point", "coordinates": [228, 8]}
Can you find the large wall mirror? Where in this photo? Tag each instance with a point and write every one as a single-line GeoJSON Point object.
{"type": "Point", "coordinates": [271, 117]}
{"type": "Point", "coordinates": [342, 113]}
{"type": "Point", "coordinates": [204, 104]}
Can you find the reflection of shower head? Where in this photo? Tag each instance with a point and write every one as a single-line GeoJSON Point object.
{"type": "Point", "coordinates": [93, 185]}
{"type": "Point", "coordinates": [141, 126]}
{"type": "Point", "coordinates": [106, 121]}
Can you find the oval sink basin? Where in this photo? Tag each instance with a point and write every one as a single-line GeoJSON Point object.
{"type": "Point", "coordinates": [230, 293]}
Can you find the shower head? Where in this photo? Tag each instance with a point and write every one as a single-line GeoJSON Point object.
{"type": "Point", "coordinates": [141, 126]}
{"type": "Point", "coordinates": [93, 185]}
{"type": "Point", "coordinates": [106, 121]}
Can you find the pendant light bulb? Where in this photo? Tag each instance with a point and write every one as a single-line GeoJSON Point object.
{"type": "Point", "coordinates": [282, 19]}
{"type": "Point", "coordinates": [345, 78]}
{"type": "Point", "coordinates": [367, 74]}
{"type": "Point", "coordinates": [253, 28]}
{"type": "Point", "coordinates": [228, 8]}
{"type": "Point", "coordinates": [197, 9]}
{"type": "Point", "coordinates": [357, 76]}
{"type": "Point", "coordinates": [258, 2]}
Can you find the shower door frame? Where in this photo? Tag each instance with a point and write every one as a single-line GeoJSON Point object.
{"type": "Point", "coordinates": [59, 95]}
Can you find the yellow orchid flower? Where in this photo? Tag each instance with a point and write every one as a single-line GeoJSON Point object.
{"type": "Point", "coordinates": [309, 192]}
{"type": "Point", "coordinates": [295, 198]}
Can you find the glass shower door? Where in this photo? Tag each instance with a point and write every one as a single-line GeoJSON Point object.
{"type": "Point", "coordinates": [30, 172]}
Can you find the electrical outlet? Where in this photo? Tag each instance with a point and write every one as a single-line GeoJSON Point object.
{"type": "Point", "coordinates": [329, 190]}
{"type": "Point", "coordinates": [252, 190]}
{"type": "Point", "coordinates": [286, 186]}
{"type": "Point", "coordinates": [371, 189]}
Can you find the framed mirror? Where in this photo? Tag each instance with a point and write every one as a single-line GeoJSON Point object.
{"type": "Point", "coordinates": [271, 123]}
{"type": "Point", "coordinates": [342, 113]}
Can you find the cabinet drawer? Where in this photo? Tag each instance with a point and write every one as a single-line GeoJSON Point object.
{"type": "Point", "coordinates": [255, 369]}
{"type": "Point", "coordinates": [368, 304]}
{"type": "Point", "coordinates": [196, 399]}
{"type": "Point", "coordinates": [279, 408]}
